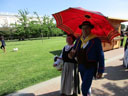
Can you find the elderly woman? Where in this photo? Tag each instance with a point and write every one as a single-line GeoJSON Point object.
{"type": "Point", "coordinates": [90, 56]}
{"type": "Point", "coordinates": [67, 77]}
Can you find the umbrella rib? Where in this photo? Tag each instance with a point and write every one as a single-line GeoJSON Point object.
{"type": "Point", "coordinates": [71, 19]}
{"type": "Point", "coordinates": [60, 20]}
{"type": "Point", "coordinates": [62, 25]}
{"type": "Point", "coordinates": [85, 11]}
{"type": "Point", "coordinates": [89, 11]}
{"type": "Point", "coordinates": [79, 17]}
{"type": "Point", "coordinates": [65, 28]}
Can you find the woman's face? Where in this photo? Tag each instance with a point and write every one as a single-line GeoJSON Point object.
{"type": "Point", "coordinates": [69, 40]}
{"type": "Point", "coordinates": [86, 29]}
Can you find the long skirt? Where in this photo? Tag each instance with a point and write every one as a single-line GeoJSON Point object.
{"type": "Point", "coordinates": [67, 79]}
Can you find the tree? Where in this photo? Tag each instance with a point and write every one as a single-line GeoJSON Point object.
{"type": "Point", "coordinates": [40, 26]}
{"type": "Point", "coordinates": [45, 26]}
{"type": "Point", "coordinates": [122, 26]}
{"type": "Point", "coordinates": [28, 27]}
{"type": "Point", "coordinates": [34, 28]}
{"type": "Point", "coordinates": [24, 20]}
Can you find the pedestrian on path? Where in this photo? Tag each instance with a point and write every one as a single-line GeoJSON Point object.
{"type": "Point", "coordinates": [122, 39]}
{"type": "Point", "coordinates": [2, 43]}
{"type": "Point", "coordinates": [67, 77]}
{"type": "Point", "coordinates": [126, 44]}
{"type": "Point", "coordinates": [90, 56]}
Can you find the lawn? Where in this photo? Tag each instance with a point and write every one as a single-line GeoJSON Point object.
{"type": "Point", "coordinates": [30, 65]}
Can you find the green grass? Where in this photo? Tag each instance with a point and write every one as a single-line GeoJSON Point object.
{"type": "Point", "coordinates": [30, 65]}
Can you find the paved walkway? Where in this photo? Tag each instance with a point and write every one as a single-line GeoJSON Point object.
{"type": "Point", "coordinates": [114, 82]}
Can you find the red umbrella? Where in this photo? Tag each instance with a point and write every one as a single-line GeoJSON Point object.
{"type": "Point", "coordinates": [69, 20]}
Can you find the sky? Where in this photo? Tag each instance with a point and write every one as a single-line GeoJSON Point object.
{"type": "Point", "coordinates": [112, 8]}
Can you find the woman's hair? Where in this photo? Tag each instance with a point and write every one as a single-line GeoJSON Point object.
{"type": "Point", "coordinates": [72, 36]}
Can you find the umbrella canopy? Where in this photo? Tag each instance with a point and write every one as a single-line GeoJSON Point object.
{"type": "Point", "coordinates": [69, 20]}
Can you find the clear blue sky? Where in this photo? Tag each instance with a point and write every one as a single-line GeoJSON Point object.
{"type": "Point", "coordinates": [113, 8]}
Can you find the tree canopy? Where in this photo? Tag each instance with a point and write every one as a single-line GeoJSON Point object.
{"type": "Point", "coordinates": [32, 26]}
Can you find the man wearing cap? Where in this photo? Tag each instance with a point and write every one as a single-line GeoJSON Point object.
{"type": "Point", "coordinates": [90, 57]}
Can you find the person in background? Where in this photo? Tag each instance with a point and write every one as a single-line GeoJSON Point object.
{"type": "Point", "coordinates": [126, 44]}
{"type": "Point", "coordinates": [122, 39]}
{"type": "Point", "coordinates": [3, 43]}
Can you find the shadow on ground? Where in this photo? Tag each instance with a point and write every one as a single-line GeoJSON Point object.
{"type": "Point", "coordinates": [98, 92]}
{"type": "Point", "coordinates": [23, 94]}
{"type": "Point", "coordinates": [116, 73]}
{"type": "Point", "coordinates": [57, 52]}
{"type": "Point", "coordinates": [116, 90]}
{"type": "Point", "coordinates": [56, 93]}
{"type": "Point", "coordinates": [113, 88]}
